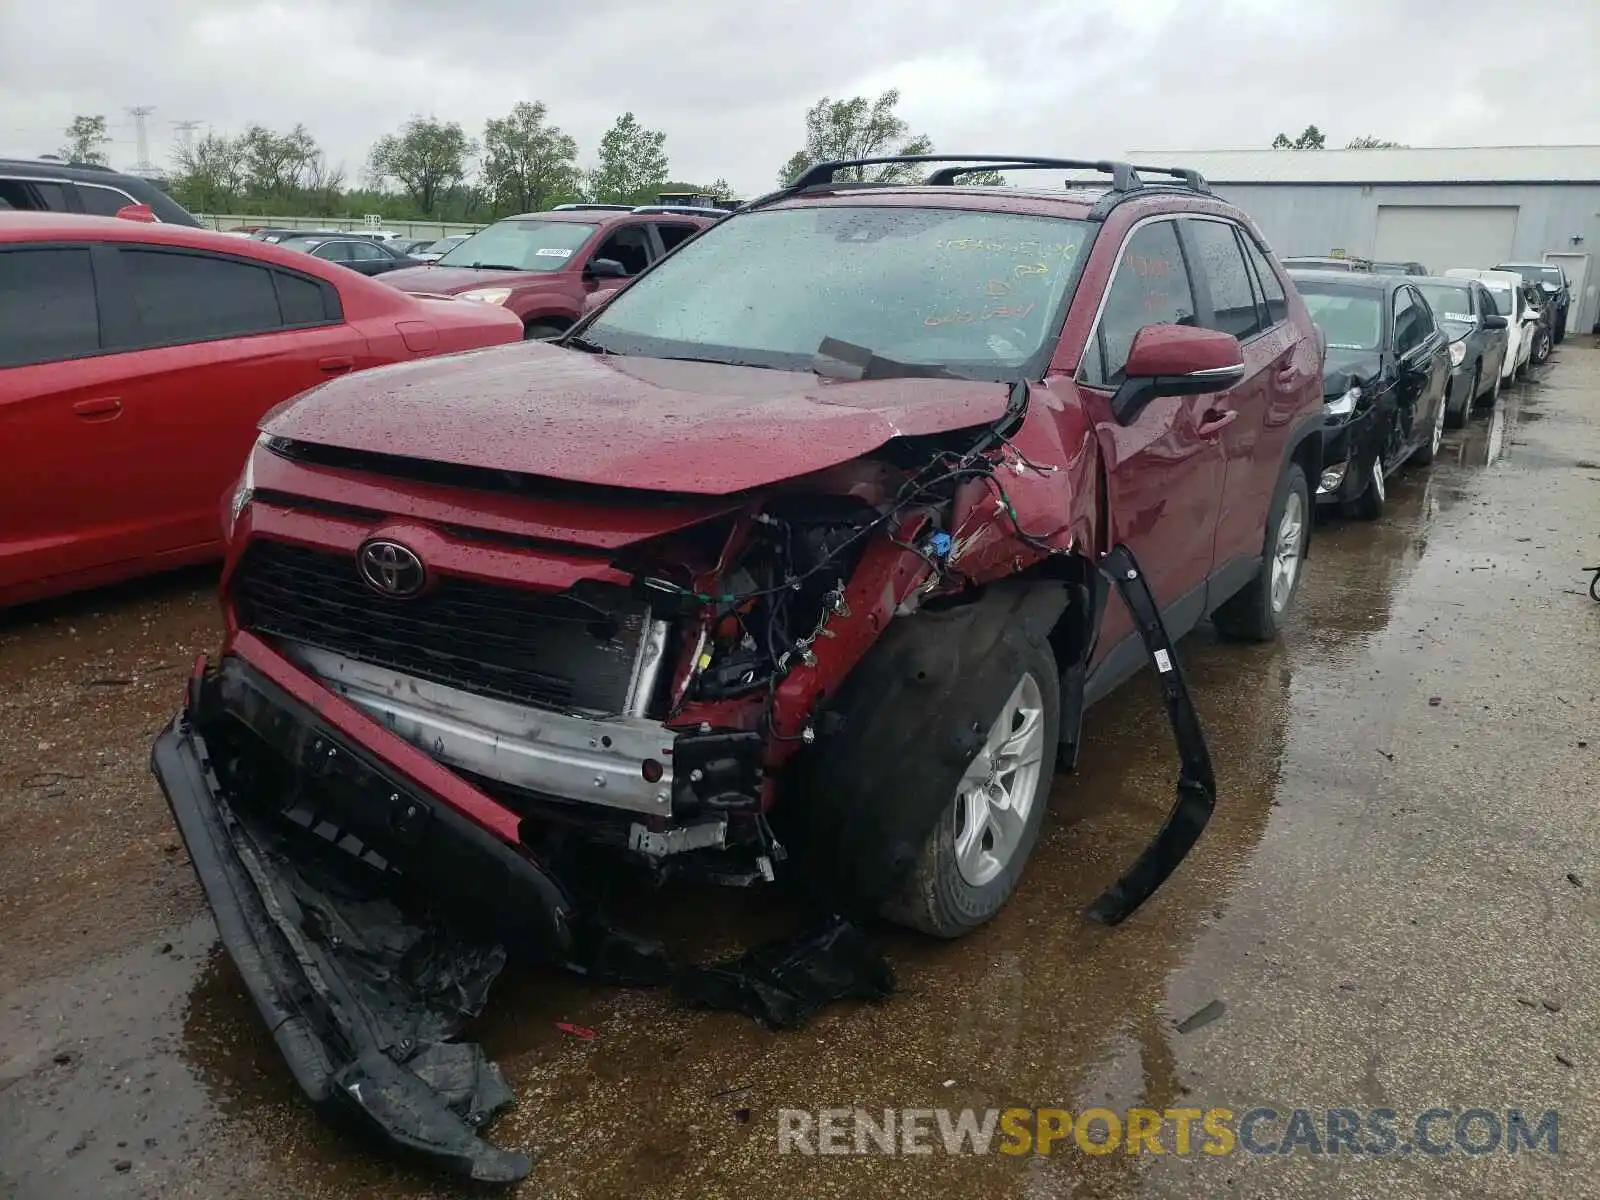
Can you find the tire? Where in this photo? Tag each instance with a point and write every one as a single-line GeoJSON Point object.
{"type": "Point", "coordinates": [1541, 348]}
{"type": "Point", "coordinates": [1369, 505]}
{"type": "Point", "coordinates": [955, 886]}
{"type": "Point", "coordinates": [1256, 612]}
{"type": "Point", "coordinates": [1559, 333]}
{"type": "Point", "coordinates": [1424, 454]}
{"type": "Point", "coordinates": [1456, 420]}
{"type": "Point", "coordinates": [540, 331]}
{"type": "Point", "coordinates": [1494, 391]}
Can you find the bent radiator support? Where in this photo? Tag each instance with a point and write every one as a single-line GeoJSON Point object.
{"type": "Point", "coordinates": [1197, 787]}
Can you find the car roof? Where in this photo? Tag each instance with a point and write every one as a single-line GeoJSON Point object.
{"type": "Point", "coordinates": [49, 168]}
{"type": "Point", "coordinates": [1364, 279]}
{"type": "Point", "coordinates": [589, 216]}
{"type": "Point", "coordinates": [1551, 266]}
{"type": "Point", "coordinates": [1507, 278]}
{"type": "Point", "coordinates": [20, 227]}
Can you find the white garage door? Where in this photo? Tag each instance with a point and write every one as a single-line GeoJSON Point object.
{"type": "Point", "coordinates": [1441, 236]}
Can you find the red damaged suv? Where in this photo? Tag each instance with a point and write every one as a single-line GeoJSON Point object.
{"type": "Point", "coordinates": [803, 555]}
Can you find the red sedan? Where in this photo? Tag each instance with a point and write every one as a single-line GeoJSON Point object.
{"type": "Point", "coordinates": [136, 360]}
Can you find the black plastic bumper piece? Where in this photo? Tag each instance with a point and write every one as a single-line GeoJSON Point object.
{"type": "Point", "coordinates": [362, 1002]}
{"type": "Point", "coordinates": [1197, 788]}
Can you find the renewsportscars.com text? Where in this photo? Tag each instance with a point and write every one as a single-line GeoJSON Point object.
{"type": "Point", "coordinates": [1183, 1131]}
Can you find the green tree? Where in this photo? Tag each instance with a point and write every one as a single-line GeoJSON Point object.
{"type": "Point", "coordinates": [1311, 138]}
{"type": "Point", "coordinates": [528, 164]}
{"type": "Point", "coordinates": [210, 174]}
{"type": "Point", "coordinates": [86, 141]}
{"type": "Point", "coordinates": [276, 164]}
{"type": "Point", "coordinates": [633, 164]}
{"type": "Point", "coordinates": [427, 158]}
{"type": "Point", "coordinates": [858, 128]}
{"type": "Point", "coordinates": [1372, 143]}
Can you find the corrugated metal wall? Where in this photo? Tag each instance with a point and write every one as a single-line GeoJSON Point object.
{"type": "Point", "coordinates": [1315, 218]}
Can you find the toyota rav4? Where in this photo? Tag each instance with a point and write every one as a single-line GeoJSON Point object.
{"type": "Point", "coordinates": [802, 555]}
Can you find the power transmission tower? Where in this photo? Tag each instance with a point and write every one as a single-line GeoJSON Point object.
{"type": "Point", "coordinates": [141, 133]}
{"type": "Point", "coordinates": [186, 132]}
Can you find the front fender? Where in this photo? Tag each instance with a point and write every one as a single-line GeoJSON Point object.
{"type": "Point", "coordinates": [1043, 498]}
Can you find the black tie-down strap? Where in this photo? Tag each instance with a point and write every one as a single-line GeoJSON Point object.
{"type": "Point", "coordinates": [1197, 788]}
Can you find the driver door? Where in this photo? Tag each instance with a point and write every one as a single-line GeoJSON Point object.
{"type": "Point", "coordinates": [1165, 478]}
{"type": "Point", "coordinates": [629, 245]}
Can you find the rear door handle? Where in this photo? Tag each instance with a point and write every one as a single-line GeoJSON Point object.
{"type": "Point", "coordinates": [101, 408]}
{"type": "Point", "coordinates": [337, 365]}
{"type": "Point", "coordinates": [1215, 422]}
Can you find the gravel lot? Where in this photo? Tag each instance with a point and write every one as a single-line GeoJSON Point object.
{"type": "Point", "coordinates": [1403, 870]}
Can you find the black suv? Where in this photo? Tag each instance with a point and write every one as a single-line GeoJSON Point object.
{"type": "Point", "coordinates": [32, 185]}
{"type": "Point", "coordinates": [1555, 292]}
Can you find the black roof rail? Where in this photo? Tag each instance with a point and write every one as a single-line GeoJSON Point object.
{"type": "Point", "coordinates": [1123, 177]}
{"type": "Point", "coordinates": [694, 210]}
{"type": "Point", "coordinates": [589, 207]}
{"type": "Point", "coordinates": [1191, 179]}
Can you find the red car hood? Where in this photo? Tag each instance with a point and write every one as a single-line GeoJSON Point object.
{"type": "Point", "coordinates": [448, 280]}
{"type": "Point", "coordinates": [706, 428]}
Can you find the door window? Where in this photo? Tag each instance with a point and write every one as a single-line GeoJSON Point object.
{"type": "Point", "coordinates": [1425, 322]}
{"type": "Point", "coordinates": [1408, 330]}
{"type": "Point", "coordinates": [305, 301]}
{"type": "Point", "coordinates": [671, 235]}
{"type": "Point", "coordinates": [195, 297]}
{"type": "Point", "coordinates": [1271, 285]}
{"type": "Point", "coordinates": [47, 306]}
{"type": "Point", "coordinates": [365, 252]}
{"type": "Point", "coordinates": [333, 251]}
{"type": "Point", "coordinates": [1221, 261]}
{"type": "Point", "coordinates": [103, 201]}
{"type": "Point", "coordinates": [629, 246]}
{"type": "Point", "coordinates": [1150, 287]}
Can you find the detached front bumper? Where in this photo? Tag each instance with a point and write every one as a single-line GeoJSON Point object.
{"type": "Point", "coordinates": [307, 868]}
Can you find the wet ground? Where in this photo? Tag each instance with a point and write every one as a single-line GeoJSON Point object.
{"type": "Point", "coordinates": [1395, 906]}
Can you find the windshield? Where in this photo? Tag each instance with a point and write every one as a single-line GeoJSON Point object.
{"type": "Point", "coordinates": [1535, 273]}
{"type": "Point", "coordinates": [1452, 305]}
{"type": "Point", "coordinates": [973, 293]}
{"type": "Point", "coordinates": [1350, 317]}
{"type": "Point", "coordinates": [1504, 301]}
{"type": "Point", "coordinates": [520, 246]}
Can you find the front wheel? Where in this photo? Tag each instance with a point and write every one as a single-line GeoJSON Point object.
{"type": "Point", "coordinates": [970, 863]}
{"type": "Point", "coordinates": [1256, 613]}
{"type": "Point", "coordinates": [1541, 348]}
{"type": "Point", "coordinates": [1461, 417]}
{"type": "Point", "coordinates": [1429, 450]}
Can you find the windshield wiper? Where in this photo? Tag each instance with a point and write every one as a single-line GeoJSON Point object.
{"type": "Point", "coordinates": [836, 359]}
{"type": "Point", "coordinates": [483, 266]}
{"type": "Point", "coordinates": [584, 344]}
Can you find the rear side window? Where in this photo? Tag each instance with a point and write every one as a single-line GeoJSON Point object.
{"type": "Point", "coordinates": [304, 301]}
{"type": "Point", "coordinates": [1271, 286]}
{"type": "Point", "coordinates": [47, 306]}
{"type": "Point", "coordinates": [194, 298]}
{"type": "Point", "coordinates": [671, 235]}
{"type": "Point", "coordinates": [1221, 261]}
{"type": "Point", "coordinates": [33, 195]}
{"type": "Point", "coordinates": [1150, 287]}
{"type": "Point", "coordinates": [102, 201]}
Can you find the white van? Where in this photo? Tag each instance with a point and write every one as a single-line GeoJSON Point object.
{"type": "Point", "coordinates": [1522, 321]}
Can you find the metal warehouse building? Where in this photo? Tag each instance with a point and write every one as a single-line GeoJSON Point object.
{"type": "Point", "coordinates": [1443, 207]}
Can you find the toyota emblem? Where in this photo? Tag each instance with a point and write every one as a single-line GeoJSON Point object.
{"type": "Point", "coordinates": [391, 569]}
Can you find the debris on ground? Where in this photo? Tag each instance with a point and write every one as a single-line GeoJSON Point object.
{"type": "Point", "coordinates": [577, 1031]}
{"type": "Point", "coordinates": [1203, 1017]}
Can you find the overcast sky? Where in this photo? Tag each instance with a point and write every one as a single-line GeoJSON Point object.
{"type": "Point", "coordinates": [730, 80]}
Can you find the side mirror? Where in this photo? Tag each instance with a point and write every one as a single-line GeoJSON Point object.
{"type": "Point", "coordinates": [1176, 360]}
{"type": "Point", "coordinates": [1495, 321]}
{"type": "Point", "coordinates": [137, 212]}
{"type": "Point", "coordinates": [606, 268]}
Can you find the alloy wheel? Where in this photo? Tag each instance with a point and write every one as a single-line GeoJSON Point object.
{"type": "Point", "coordinates": [1286, 551]}
{"type": "Point", "coordinates": [1438, 428]}
{"type": "Point", "coordinates": [996, 794]}
{"type": "Point", "coordinates": [1378, 485]}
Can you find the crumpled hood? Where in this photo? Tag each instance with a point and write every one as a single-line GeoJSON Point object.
{"type": "Point", "coordinates": [448, 280]}
{"type": "Point", "coordinates": [657, 424]}
{"type": "Point", "coordinates": [1344, 368]}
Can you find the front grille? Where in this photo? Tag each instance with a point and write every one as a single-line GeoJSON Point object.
{"type": "Point", "coordinates": [573, 650]}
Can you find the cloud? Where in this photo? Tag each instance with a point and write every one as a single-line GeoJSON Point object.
{"type": "Point", "coordinates": [729, 81]}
